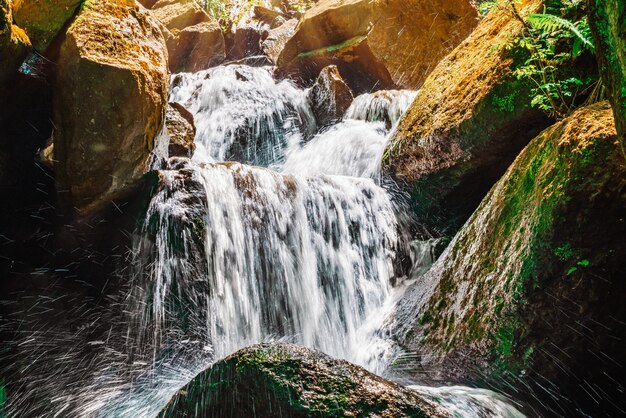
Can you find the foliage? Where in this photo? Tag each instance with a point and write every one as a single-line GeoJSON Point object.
{"type": "Point", "coordinates": [554, 41]}
{"type": "Point", "coordinates": [485, 6]}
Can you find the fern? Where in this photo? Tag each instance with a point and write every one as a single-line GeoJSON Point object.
{"type": "Point", "coordinates": [552, 23]}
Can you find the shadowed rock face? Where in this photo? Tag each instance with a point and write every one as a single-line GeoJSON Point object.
{"type": "Point", "coordinates": [530, 291]}
{"type": "Point", "coordinates": [396, 43]}
{"type": "Point", "coordinates": [330, 97]}
{"type": "Point", "coordinates": [111, 98]}
{"type": "Point", "coordinates": [285, 380]}
{"type": "Point", "coordinates": [607, 20]}
{"type": "Point", "coordinates": [181, 131]}
{"type": "Point", "coordinates": [457, 138]}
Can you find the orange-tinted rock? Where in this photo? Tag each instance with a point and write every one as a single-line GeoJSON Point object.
{"type": "Point", "coordinates": [276, 39]}
{"type": "Point", "coordinates": [458, 137]}
{"type": "Point", "coordinates": [196, 48]}
{"type": "Point", "coordinates": [112, 83]}
{"type": "Point", "coordinates": [179, 14]}
{"type": "Point", "coordinates": [14, 44]}
{"type": "Point", "coordinates": [404, 39]}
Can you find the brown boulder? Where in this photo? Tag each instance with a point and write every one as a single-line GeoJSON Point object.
{"type": "Point", "coordinates": [181, 131]}
{"type": "Point", "coordinates": [194, 39]}
{"type": "Point", "coordinates": [43, 19]}
{"type": "Point", "coordinates": [179, 14]}
{"type": "Point", "coordinates": [466, 125]}
{"type": "Point", "coordinates": [329, 97]}
{"type": "Point", "coordinates": [196, 47]}
{"type": "Point", "coordinates": [276, 39]}
{"type": "Point", "coordinates": [396, 42]}
{"type": "Point", "coordinates": [112, 83]}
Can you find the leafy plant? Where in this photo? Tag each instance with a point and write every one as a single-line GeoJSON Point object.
{"type": "Point", "coordinates": [553, 41]}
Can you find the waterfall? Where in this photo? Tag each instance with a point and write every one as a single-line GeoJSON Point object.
{"type": "Point", "coordinates": [255, 254]}
{"type": "Point", "coordinates": [242, 113]}
{"type": "Point", "coordinates": [274, 230]}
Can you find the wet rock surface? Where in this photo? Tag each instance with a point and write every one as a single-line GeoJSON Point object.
{"type": "Point", "coordinates": [181, 131]}
{"type": "Point", "coordinates": [285, 380]}
{"type": "Point", "coordinates": [330, 96]}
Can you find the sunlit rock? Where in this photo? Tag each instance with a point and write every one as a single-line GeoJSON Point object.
{"type": "Point", "coordinates": [111, 96]}
{"type": "Point", "coordinates": [379, 44]}
{"type": "Point", "coordinates": [469, 120]}
{"type": "Point", "coordinates": [285, 380]}
{"type": "Point", "coordinates": [276, 39]}
{"type": "Point", "coordinates": [14, 45]}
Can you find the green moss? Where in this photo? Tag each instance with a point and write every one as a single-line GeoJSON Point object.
{"type": "Point", "coordinates": [332, 48]}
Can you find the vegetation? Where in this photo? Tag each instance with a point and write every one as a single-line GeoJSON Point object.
{"type": "Point", "coordinates": [554, 41]}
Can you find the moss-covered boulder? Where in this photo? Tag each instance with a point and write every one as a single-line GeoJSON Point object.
{"type": "Point", "coordinates": [608, 24]}
{"type": "Point", "coordinates": [14, 44]}
{"type": "Point", "coordinates": [467, 123]}
{"type": "Point", "coordinates": [285, 380]}
{"type": "Point", "coordinates": [531, 289]}
{"type": "Point", "coordinates": [43, 19]}
{"type": "Point", "coordinates": [380, 43]}
{"type": "Point", "coordinates": [111, 97]}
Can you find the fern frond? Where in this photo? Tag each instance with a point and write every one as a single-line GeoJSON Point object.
{"type": "Point", "coordinates": [550, 23]}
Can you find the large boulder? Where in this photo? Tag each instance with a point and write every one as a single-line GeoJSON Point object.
{"type": "Point", "coordinates": [14, 45]}
{"type": "Point", "coordinates": [381, 43]}
{"type": "Point", "coordinates": [285, 380]}
{"type": "Point", "coordinates": [467, 123]}
{"type": "Point", "coordinates": [111, 96]}
{"type": "Point", "coordinates": [194, 39]}
{"type": "Point", "coordinates": [608, 23]}
{"type": "Point", "coordinates": [530, 291]}
{"type": "Point", "coordinates": [43, 19]}
{"type": "Point", "coordinates": [329, 97]}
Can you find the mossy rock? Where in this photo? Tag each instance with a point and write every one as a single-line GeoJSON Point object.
{"type": "Point", "coordinates": [534, 282]}
{"type": "Point", "coordinates": [468, 122]}
{"type": "Point", "coordinates": [285, 380]}
{"type": "Point", "coordinates": [14, 45]}
{"type": "Point", "coordinates": [608, 23]}
{"type": "Point", "coordinates": [43, 19]}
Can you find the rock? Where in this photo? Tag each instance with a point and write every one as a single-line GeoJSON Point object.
{"type": "Point", "coordinates": [270, 17]}
{"type": "Point", "coordinates": [285, 380]}
{"type": "Point", "coordinates": [466, 125]}
{"type": "Point", "coordinates": [329, 97]}
{"type": "Point", "coordinates": [179, 14]}
{"type": "Point", "coordinates": [196, 48]}
{"type": "Point", "coordinates": [181, 131]}
{"type": "Point", "coordinates": [530, 291]}
{"type": "Point", "coordinates": [111, 87]}
{"type": "Point", "coordinates": [381, 44]}
{"type": "Point", "coordinates": [609, 31]}
{"type": "Point", "coordinates": [43, 19]}
{"type": "Point", "coordinates": [194, 39]}
{"type": "Point", "coordinates": [276, 39]}
{"type": "Point", "coordinates": [14, 45]}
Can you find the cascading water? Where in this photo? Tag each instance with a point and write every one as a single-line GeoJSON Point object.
{"type": "Point", "coordinates": [301, 247]}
